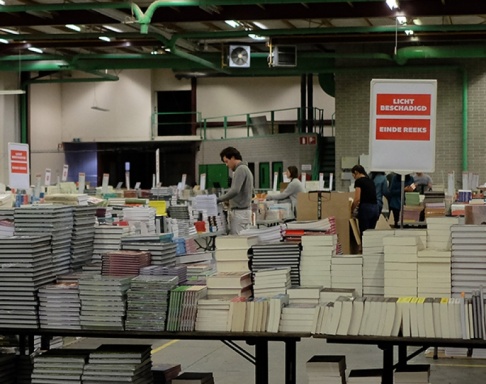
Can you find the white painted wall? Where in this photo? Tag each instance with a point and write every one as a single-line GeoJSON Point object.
{"type": "Point", "coordinates": [46, 130]}
{"type": "Point", "coordinates": [9, 121]}
{"type": "Point", "coordinates": [128, 100]}
{"type": "Point", "coordinates": [232, 96]}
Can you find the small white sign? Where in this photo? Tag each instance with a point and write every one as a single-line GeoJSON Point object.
{"type": "Point", "coordinates": [65, 171]}
{"type": "Point", "coordinates": [182, 184]}
{"type": "Point", "coordinates": [321, 181]}
{"type": "Point", "coordinates": [331, 179]}
{"type": "Point", "coordinates": [306, 167]}
{"type": "Point", "coordinates": [18, 166]}
{"type": "Point", "coordinates": [104, 183]}
{"type": "Point", "coordinates": [127, 179]}
{"type": "Point", "coordinates": [202, 181]}
{"type": "Point", "coordinates": [137, 185]}
{"type": "Point", "coordinates": [47, 177]}
{"type": "Point", "coordinates": [81, 182]}
{"type": "Point", "coordinates": [275, 181]}
{"type": "Point", "coordinates": [303, 178]}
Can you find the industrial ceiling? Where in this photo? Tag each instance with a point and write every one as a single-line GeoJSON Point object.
{"type": "Point", "coordinates": [233, 37]}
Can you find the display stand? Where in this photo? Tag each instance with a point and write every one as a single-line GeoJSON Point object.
{"type": "Point", "coordinates": [259, 340]}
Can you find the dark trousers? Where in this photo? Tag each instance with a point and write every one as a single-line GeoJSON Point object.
{"type": "Point", "coordinates": [367, 216]}
{"type": "Point", "coordinates": [396, 216]}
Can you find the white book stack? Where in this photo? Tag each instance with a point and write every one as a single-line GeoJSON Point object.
{"type": "Point", "coordinates": [365, 376]}
{"type": "Point", "coordinates": [347, 272]}
{"type": "Point", "coordinates": [271, 282]}
{"type": "Point", "coordinates": [264, 234]}
{"type": "Point", "coordinates": [212, 315]}
{"type": "Point", "coordinates": [468, 265]}
{"type": "Point", "coordinates": [422, 233]}
{"type": "Point", "coordinates": [297, 318]}
{"type": "Point", "coordinates": [373, 261]}
{"type": "Point", "coordinates": [326, 369]}
{"type": "Point", "coordinates": [401, 265]}
{"type": "Point", "coordinates": [331, 294]}
{"type": "Point", "coordinates": [231, 253]}
{"type": "Point", "coordinates": [206, 203]}
{"type": "Point", "coordinates": [107, 238]}
{"type": "Point", "coordinates": [304, 294]}
{"type": "Point", "coordinates": [140, 219]}
{"type": "Point", "coordinates": [434, 273]}
{"type": "Point", "coordinates": [315, 263]}
{"type": "Point", "coordinates": [438, 232]}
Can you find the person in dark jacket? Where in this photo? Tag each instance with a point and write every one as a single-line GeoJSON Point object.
{"type": "Point", "coordinates": [364, 199]}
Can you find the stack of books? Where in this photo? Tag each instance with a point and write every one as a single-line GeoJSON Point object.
{"type": "Point", "coordinates": [163, 373]}
{"type": "Point", "coordinates": [330, 369]}
{"type": "Point", "coordinates": [226, 285]}
{"type": "Point", "coordinates": [401, 265]}
{"type": "Point", "coordinates": [231, 252]}
{"type": "Point", "coordinates": [256, 316]}
{"type": "Point", "coordinates": [273, 255]}
{"type": "Point", "coordinates": [161, 252]}
{"type": "Point", "coordinates": [103, 302]}
{"type": "Point", "coordinates": [373, 261]}
{"type": "Point", "coordinates": [60, 306]}
{"type": "Point", "coordinates": [107, 238]}
{"type": "Point", "coordinates": [298, 318]}
{"type": "Point", "coordinates": [347, 272]}
{"type": "Point", "coordinates": [119, 363]}
{"type": "Point", "coordinates": [468, 264]}
{"type": "Point", "coordinates": [434, 273]}
{"type": "Point", "coordinates": [6, 222]}
{"type": "Point", "coordinates": [315, 264]}
{"type": "Point", "coordinates": [271, 282]}
{"type": "Point", "coordinates": [434, 202]}
{"type": "Point", "coordinates": [183, 307]}
{"type": "Point", "coordinates": [53, 220]}
{"type": "Point", "coordinates": [83, 236]}
{"type": "Point", "coordinates": [207, 204]}
{"type": "Point", "coordinates": [124, 262]}
{"type": "Point", "coordinates": [147, 301]}
{"type": "Point", "coordinates": [180, 271]}
{"type": "Point", "coordinates": [197, 273]}
{"type": "Point", "coordinates": [213, 315]}
{"type": "Point", "coordinates": [60, 365]}
{"type": "Point", "coordinates": [29, 262]}
{"type": "Point", "coordinates": [8, 368]}
{"type": "Point", "coordinates": [140, 218]}
{"type": "Point", "coordinates": [304, 294]}
{"type": "Point", "coordinates": [439, 232]}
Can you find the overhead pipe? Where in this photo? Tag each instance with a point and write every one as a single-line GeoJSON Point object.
{"type": "Point", "coordinates": [446, 52]}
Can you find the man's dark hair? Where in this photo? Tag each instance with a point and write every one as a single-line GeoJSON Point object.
{"type": "Point", "coordinates": [230, 152]}
{"type": "Point", "coordinates": [293, 171]}
{"type": "Point", "coordinates": [360, 169]}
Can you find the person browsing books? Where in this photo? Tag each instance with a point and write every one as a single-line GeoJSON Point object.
{"type": "Point", "coordinates": [381, 186]}
{"type": "Point", "coordinates": [395, 200]}
{"type": "Point", "coordinates": [291, 191]}
{"type": "Point", "coordinates": [423, 182]}
{"type": "Point", "coordinates": [240, 194]}
{"type": "Point", "coordinates": [364, 199]}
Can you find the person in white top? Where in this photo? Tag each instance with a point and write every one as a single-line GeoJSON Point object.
{"type": "Point", "coordinates": [293, 188]}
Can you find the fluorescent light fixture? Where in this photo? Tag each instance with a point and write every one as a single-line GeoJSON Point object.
{"type": "Point", "coordinates": [256, 37]}
{"type": "Point", "coordinates": [409, 32]}
{"type": "Point", "coordinates": [417, 21]}
{"type": "Point", "coordinates": [260, 25]}
{"type": "Point", "coordinates": [104, 38]}
{"type": "Point", "coordinates": [402, 19]}
{"type": "Point", "coordinates": [232, 23]}
{"type": "Point", "coordinates": [73, 27]}
{"type": "Point", "coordinates": [12, 92]}
{"type": "Point", "coordinates": [2, 2]}
{"type": "Point", "coordinates": [4, 41]}
{"type": "Point", "coordinates": [113, 29]}
{"type": "Point", "coordinates": [11, 31]}
{"type": "Point", "coordinates": [34, 49]}
{"type": "Point", "coordinates": [393, 4]}
{"type": "Point", "coordinates": [167, 49]}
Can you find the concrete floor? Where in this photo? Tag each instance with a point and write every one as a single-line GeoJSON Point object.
{"type": "Point", "coordinates": [230, 368]}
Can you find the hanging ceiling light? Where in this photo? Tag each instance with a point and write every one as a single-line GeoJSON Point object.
{"type": "Point", "coordinates": [393, 4]}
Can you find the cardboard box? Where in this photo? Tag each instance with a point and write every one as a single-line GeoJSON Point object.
{"type": "Point", "coordinates": [332, 204]}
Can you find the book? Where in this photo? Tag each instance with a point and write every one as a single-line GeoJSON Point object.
{"type": "Point", "coordinates": [235, 242]}
{"type": "Point", "coordinates": [229, 280]}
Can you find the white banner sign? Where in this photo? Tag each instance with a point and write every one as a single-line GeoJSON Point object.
{"type": "Point", "coordinates": [402, 125]}
{"type": "Point", "coordinates": [18, 165]}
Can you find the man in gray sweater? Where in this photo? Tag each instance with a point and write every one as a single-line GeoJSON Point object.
{"type": "Point", "coordinates": [240, 194]}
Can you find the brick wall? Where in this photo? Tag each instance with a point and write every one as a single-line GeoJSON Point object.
{"type": "Point", "coordinates": [352, 116]}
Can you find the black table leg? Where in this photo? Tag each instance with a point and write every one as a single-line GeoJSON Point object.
{"type": "Point", "coordinates": [31, 344]}
{"type": "Point", "coordinates": [45, 342]}
{"type": "Point", "coordinates": [402, 354]}
{"type": "Point", "coordinates": [387, 377]}
{"type": "Point", "coordinates": [290, 361]}
{"type": "Point", "coordinates": [261, 362]}
{"type": "Point", "coordinates": [22, 344]}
